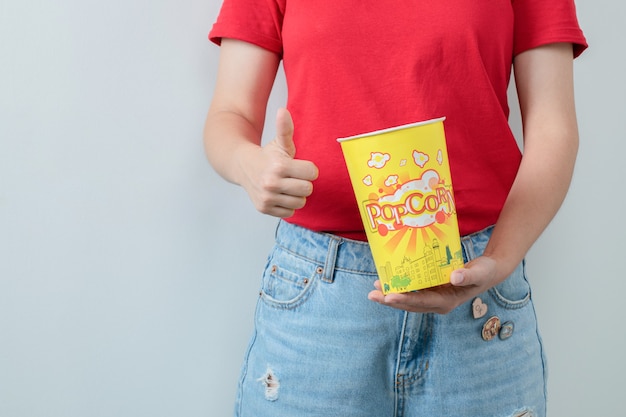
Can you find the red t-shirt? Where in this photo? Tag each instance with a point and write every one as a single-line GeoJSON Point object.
{"type": "Point", "coordinates": [354, 66]}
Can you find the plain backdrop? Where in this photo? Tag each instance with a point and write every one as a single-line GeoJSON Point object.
{"type": "Point", "coordinates": [129, 270]}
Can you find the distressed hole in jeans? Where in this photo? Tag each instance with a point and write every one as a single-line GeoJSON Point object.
{"type": "Point", "coordinates": [271, 385]}
{"type": "Point", "coordinates": [523, 413]}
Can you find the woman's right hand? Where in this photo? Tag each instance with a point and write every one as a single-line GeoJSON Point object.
{"type": "Point", "coordinates": [276, 182]}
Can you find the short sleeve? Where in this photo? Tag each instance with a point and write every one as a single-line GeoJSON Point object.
{"type": "Point", "coordinates": [255, 21]}
{"type": "Point", "coordinates": [541, 22]}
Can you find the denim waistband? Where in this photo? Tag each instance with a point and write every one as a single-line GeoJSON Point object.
{"type": "Point", "coordinates": [328, 250]}
{"type": "Point", "coordinates": [336, 252]}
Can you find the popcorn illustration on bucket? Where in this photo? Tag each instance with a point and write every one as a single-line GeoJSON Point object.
{"type": "Point", "coordinates": [401, 180]}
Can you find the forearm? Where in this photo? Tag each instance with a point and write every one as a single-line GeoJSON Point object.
{"type": "Point", "coordinates": [544, 78]}
{"type": "Point", "coordinates": [235, 121]}
{"type": "Point", "coordinates": [227, 137]}
{"type": "Point", "coordinates": [539, 189]}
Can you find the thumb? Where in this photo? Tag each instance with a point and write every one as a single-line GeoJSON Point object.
{"type": "Point", "coordinates": [461, 277]}
{"type": "Point", "coordinates": [284, 132]}
{"type": "Point", "coordinates": [477, 272]}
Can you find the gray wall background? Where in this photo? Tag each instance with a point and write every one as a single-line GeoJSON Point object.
{"type": "Point", "coordinates": [124, 290]}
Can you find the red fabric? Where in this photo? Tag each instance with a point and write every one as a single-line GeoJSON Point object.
{"type": "Point", "coordinates": [354, 66]}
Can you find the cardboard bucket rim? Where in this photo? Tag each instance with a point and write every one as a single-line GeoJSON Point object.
{"type": "Point", "coordinates": [391, 129]}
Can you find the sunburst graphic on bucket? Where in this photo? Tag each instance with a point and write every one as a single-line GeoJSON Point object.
{"type": "Point", "coordinates": [401, 180]}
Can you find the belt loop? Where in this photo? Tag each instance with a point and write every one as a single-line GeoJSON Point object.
{"type": "Point", "coordinates": [277, 229]}
{"type": "Point", "coordinates": [328, 274]}
{"type": "Point", "coordinates": [468, 248]}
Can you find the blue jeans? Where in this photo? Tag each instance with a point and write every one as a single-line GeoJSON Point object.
{"type": "Point", "coordinates": [321, 348]}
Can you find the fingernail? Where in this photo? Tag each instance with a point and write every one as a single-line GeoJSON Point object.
{"type": "Point", "coordinates": [457, 278]}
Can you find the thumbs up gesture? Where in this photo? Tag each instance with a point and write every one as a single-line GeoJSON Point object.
{"type": "Point", "coordinates": [277, 183]}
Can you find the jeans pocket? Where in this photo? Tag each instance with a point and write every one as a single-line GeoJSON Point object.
{"type": "Point", "coordinates": [288, 279]}
{"type": "Point", "coordinates": [513, 292]}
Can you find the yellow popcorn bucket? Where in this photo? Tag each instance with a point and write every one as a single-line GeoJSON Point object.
{"type": "Point", "coordinates": [401, 180]}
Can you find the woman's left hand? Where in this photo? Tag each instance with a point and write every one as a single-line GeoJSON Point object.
{"type": "Point", "coordinates": [475, 278]}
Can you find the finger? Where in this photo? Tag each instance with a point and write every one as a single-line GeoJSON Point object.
{"type": "Point", "coordinates": [281, 212]}
{"type": "Point", "coordinates": [376, 296]}
{"type": "Point", "coordinates": [295, 187]}
{"type": "Point", "coordinates": [413, 304]}
{"type": "Point", "coordinates": [440, 300]}
{"type": "Point", "coordinates": [290, 202]}
{"type": "Point", "coordinates": [304, 170]}
{"type": "Point", "coordinates": [459, 278]}
{"type": "Point", "coordinates": [391, 300]}
{"type": "Point", "coordinates": [286, 186]}
{"type": "Point", "coordinates": [282, 206]}
{"type": "Point", "coordinates": [284, 132]}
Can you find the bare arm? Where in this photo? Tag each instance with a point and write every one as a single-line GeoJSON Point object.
{"type": "Point", "coordinates": [276, 183]}
{"type": "Point", "coordinates": [544, 78]}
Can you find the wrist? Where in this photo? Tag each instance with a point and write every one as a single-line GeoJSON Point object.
{"type": "Point", "coordinates": [505, 261]}
{"type": "Point", "coordinates": [244, 156]}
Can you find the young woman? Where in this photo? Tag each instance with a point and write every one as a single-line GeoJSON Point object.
{"type": "Point", "coordinates": [327, 342]}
